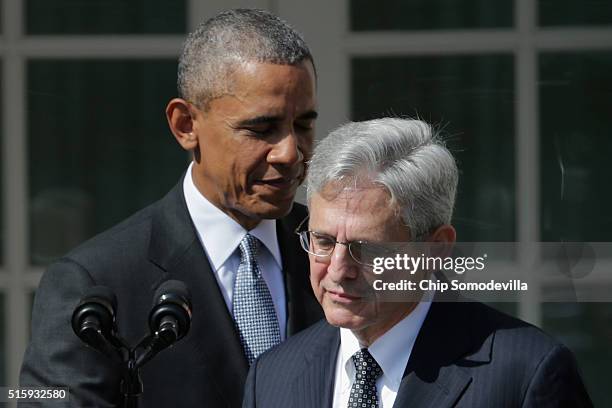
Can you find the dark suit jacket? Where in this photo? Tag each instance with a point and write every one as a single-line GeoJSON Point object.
{"type": "Point", "coordinates": [466, 355]}
{"type": "Point", "coordinates": [207, 368]}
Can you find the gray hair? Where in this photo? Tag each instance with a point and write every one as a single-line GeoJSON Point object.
{"type": "Point", "coordinates": [404, 156]}
{"type": "Point", "coordinates": [219, 45]}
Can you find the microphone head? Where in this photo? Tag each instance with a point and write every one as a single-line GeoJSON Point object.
{"type": "Point", "coordinates": [176, 288]}
{"type": "Point", "coordinates": [95, 311]}
{"type": "Point", "coordinates": [172, 300]}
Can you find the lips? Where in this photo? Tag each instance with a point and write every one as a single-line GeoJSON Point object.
{"type": "Point", "coordinates": [342, 297]}
{"type": "Point", "coordinates": [279, 183]}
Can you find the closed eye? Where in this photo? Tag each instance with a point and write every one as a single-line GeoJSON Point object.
{"type": "Point", "coordinates": [260, 131]}
{"type": "Point", "coordinates": [259, 126]}
{"type": "Point", "coordinates": [323, 241]}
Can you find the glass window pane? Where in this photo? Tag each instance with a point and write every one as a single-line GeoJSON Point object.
{"type": "Point", "coordinates": [471, 100]}
{"type": "Point", "coordinates": [574, 12]}
{"type": "Point", "coordinates": [586, 328]}
{"type": "Point", "coordinates": [99, 146]}
{"type": "Point", "coordinates": [430, 14]}
{"type": "Point", "coordinates": [105, 17]}
{"type": "Point", "coordinates": [575, 128]}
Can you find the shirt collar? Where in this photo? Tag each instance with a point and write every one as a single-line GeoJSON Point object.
{"type": "Point", "coordinates": [219, 234]}
{"type": "Point", "coordinates": [391, 350]}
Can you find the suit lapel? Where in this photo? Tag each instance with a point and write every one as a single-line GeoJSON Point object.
{"type": "Point", "coordinates": [436, 374]}
{"type": "Point", "coordinates": [314, 386]}
{"type": "Point", "coordinates": [212, 340]}
{"type": "Point", "coordinates": [443, 392]}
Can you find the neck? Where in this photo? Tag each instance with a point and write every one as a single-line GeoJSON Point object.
{"type": "Point", "coordinates": [246, 222]}
{"type": "Point", "coordinates": [368, 335]}
{"type": "Point", "coordinates": [216, 199]}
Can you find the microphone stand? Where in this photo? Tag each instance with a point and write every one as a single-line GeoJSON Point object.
{"type": "Point", "coordinates": [131, 386]}
{"type": "Point", "coordinates": [131, 383]}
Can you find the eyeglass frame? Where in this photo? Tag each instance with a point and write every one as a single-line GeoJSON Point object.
{"type": "Point", "coordinates": [347, 244]}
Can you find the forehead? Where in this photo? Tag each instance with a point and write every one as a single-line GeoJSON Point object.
{"type": "Point", "coordinates": [356, 213]}
{"type": "Point", "coordinates": [266, 89]}
{"type": "Point", "coordinates": [257, 79]}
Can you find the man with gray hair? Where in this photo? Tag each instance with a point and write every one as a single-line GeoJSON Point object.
{"type": "Point", "coordinates": [246, 113]}
{"type": "Point", "coordinates": [391, 181]}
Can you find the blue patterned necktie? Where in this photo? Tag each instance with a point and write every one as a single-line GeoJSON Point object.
{"type": "Point", "coordinates": [252, 304]}
{"type": "Point", "coordinates": [363, 391]}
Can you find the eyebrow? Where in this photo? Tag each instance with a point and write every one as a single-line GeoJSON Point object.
{"type": "Point", "coordinates": [312, 114]}
{"type": "Point", "coordinates": [335, 239]}
{"type": "Point", "coordinates": [259, 120]}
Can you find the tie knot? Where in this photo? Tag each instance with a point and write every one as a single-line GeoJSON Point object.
{"type": "Point", "coordinates": [248, 248]}
{"type": "Point", "coordinates": [366, 367]}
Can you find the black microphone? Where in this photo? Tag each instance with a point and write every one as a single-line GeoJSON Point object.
{"type": "Point", "coordinates": [169, 320]}
{"type": "Point", "coordinates": [93, 320]}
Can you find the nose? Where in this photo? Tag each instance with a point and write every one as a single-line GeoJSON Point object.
{"type": "Point", "coordinates": [286, 151]}
{"type": "Point", "coordinates": [341, 265]}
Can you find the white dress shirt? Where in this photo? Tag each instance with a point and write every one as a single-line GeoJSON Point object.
{"type": "Point", "coordinates": [220, 236]}
{"type": "Point", "coordinates": [391, 351]}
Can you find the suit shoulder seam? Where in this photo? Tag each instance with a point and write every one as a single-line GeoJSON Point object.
{"type": "Point", "coordinates": [69, 260]}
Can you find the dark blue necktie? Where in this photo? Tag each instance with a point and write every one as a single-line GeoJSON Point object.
{"type": "Point", "coordinates": [252, 304]}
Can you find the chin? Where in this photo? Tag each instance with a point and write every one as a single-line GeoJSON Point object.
{"type": "Point", "coordinates": [275, 211]}
{"type": "Point", "coordinates": [343, 318]}
{"type": "Point", "coordinates": [256, 207]}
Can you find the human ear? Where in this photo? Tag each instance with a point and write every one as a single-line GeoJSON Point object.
{"type": "Point", "coordinates": [444, 238]}
{"type": "Point", "coordinates": [180, 121]}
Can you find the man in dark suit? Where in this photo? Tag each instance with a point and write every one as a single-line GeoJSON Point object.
{"type": "Point", "coordinates": [369, 184]}
{"type": "Point", "coordinates": [246, 112]}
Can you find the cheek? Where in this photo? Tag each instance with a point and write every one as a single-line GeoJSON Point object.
{"type": "Point", "coordinates": [317, 273]}
{"type": "Point", "coordinates": [252, 164]}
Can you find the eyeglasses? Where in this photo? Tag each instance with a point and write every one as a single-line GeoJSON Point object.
{"type": "Point", "coordinates": [323, 245]}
